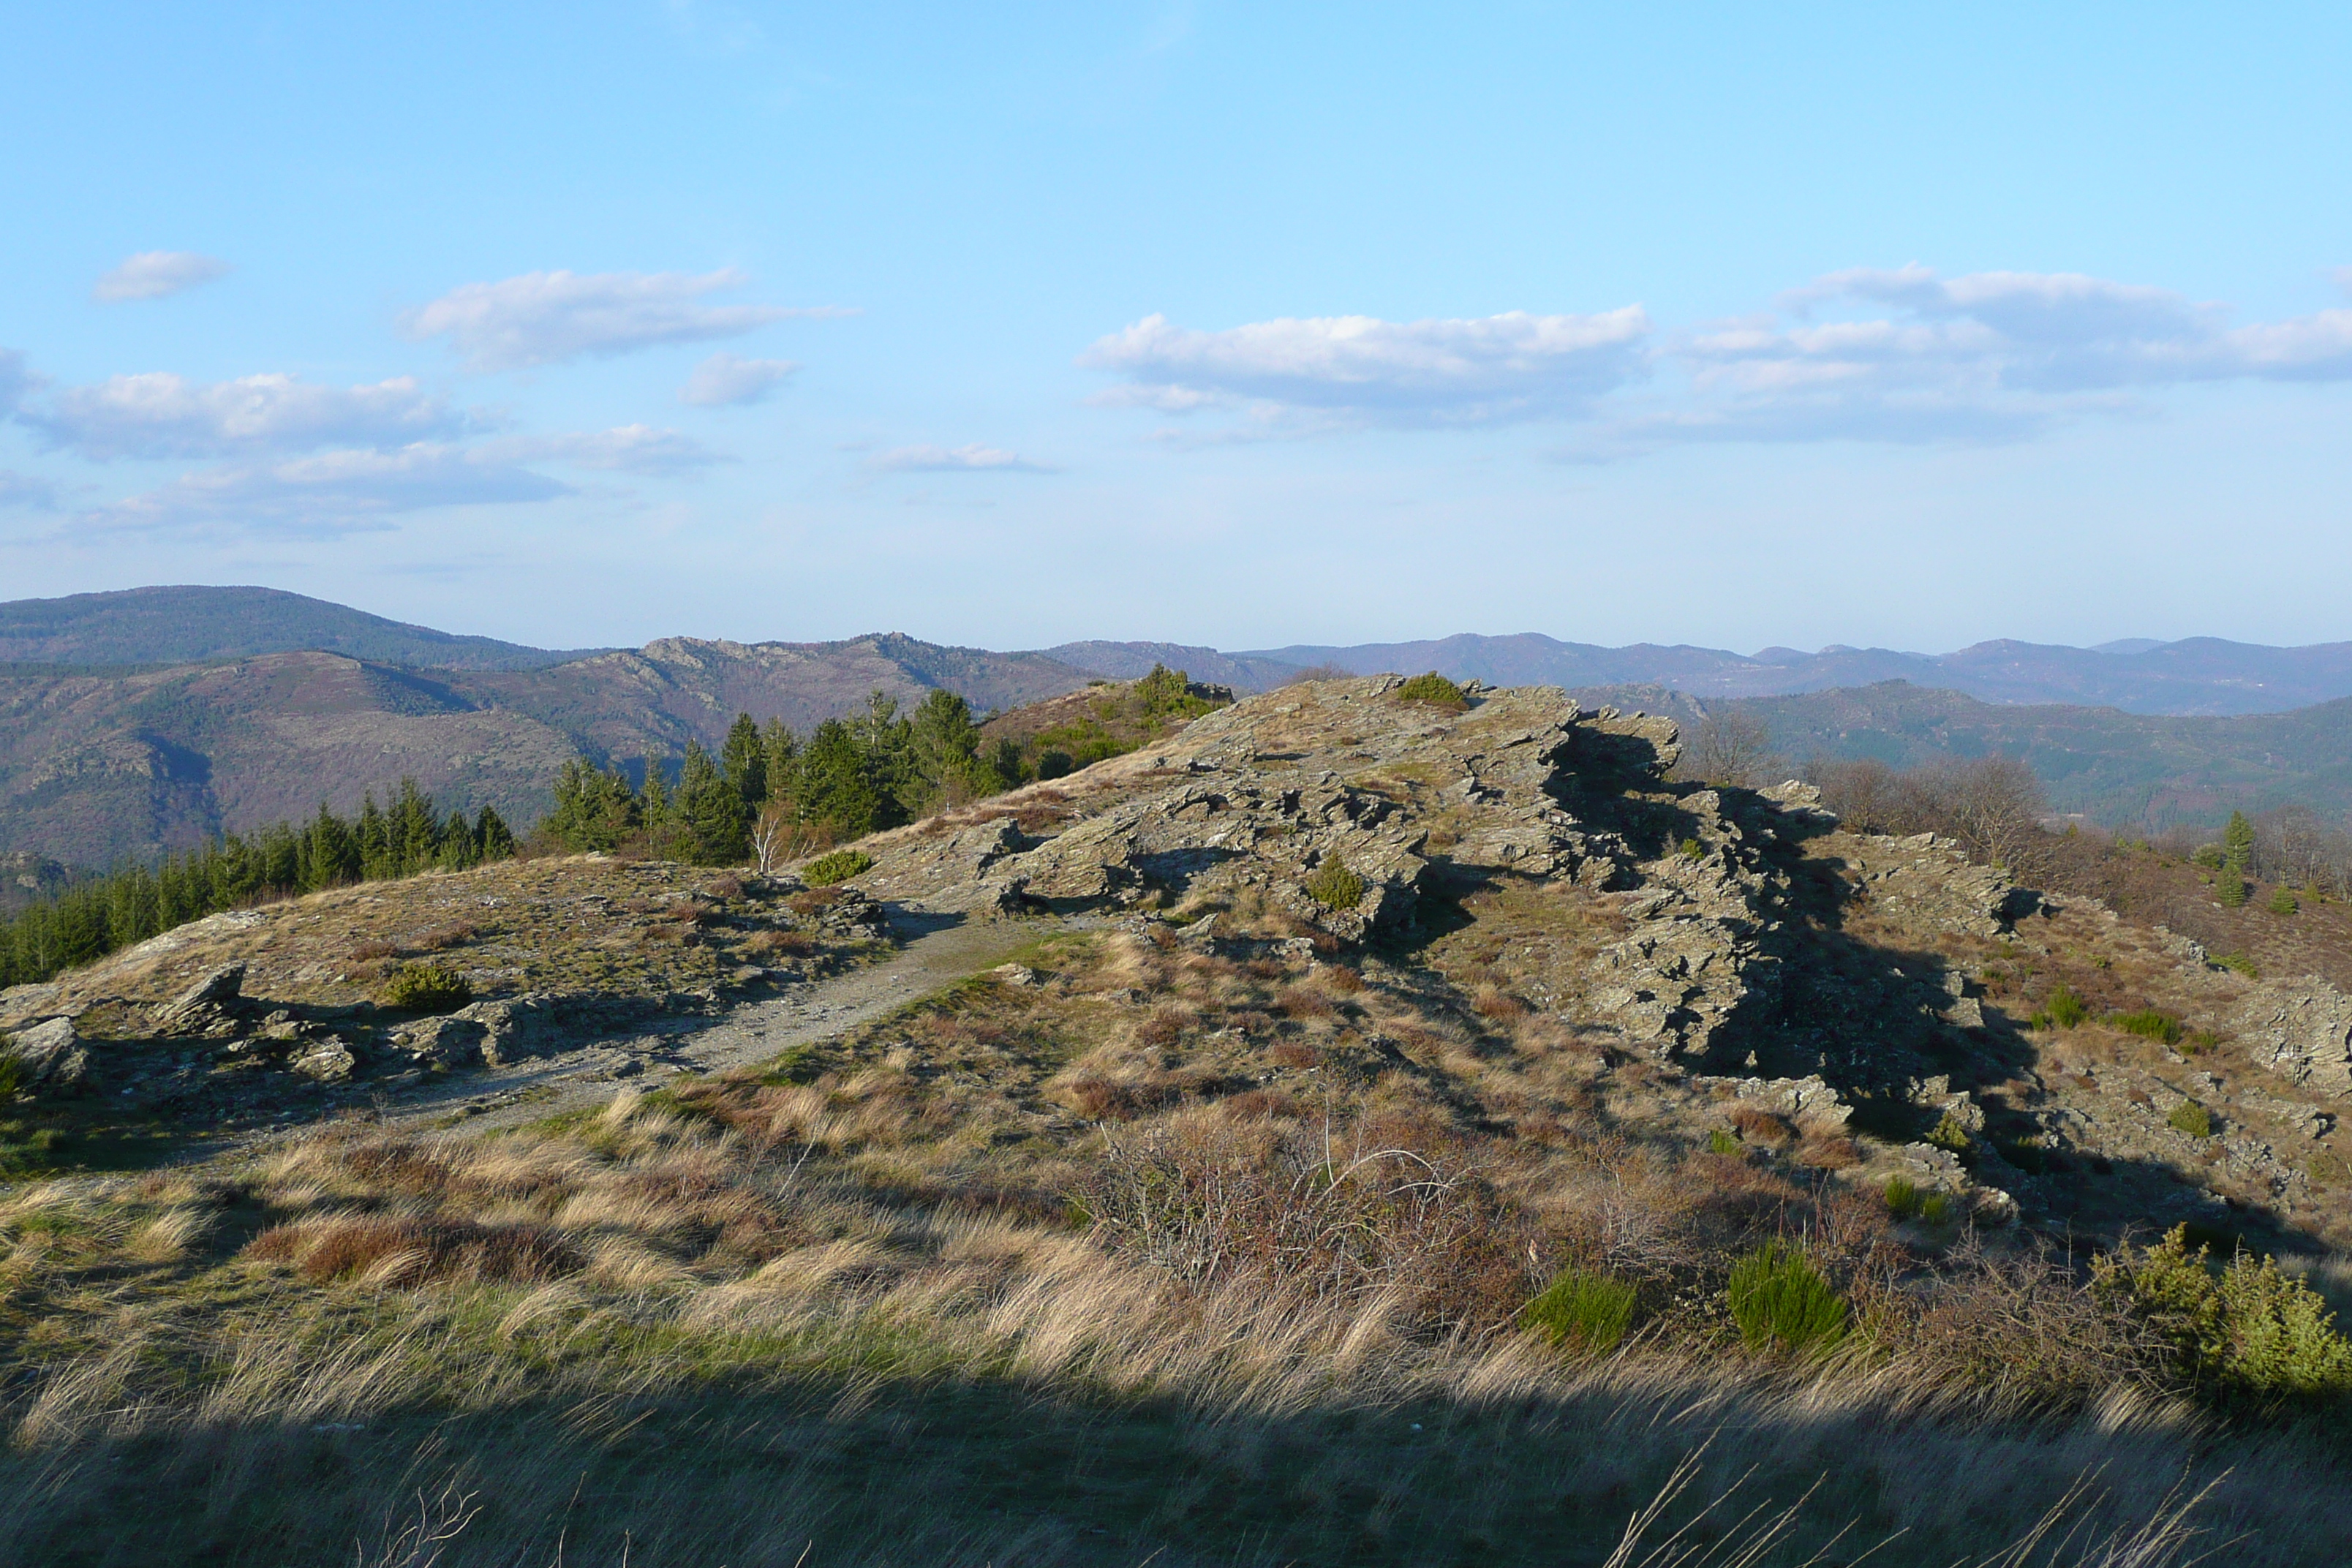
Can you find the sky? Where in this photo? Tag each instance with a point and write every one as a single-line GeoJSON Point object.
{"type": "Point", "coordinates": [1742, 326]}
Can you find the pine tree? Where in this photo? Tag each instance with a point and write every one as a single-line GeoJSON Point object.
{"type": "Point", "coordinates": [493, 839]}
{"type": "Point", "coordinates": [834, 787]}
{"type": "Point", "coordinates": [414, 830]}
{"type": "Point", "coordinates": [782, 761]}
{"type": "Point", "coordinates": [943, 752]}
{"type": "Point", "coordinates": [377, 856]}
{"type": "Point", "coordinates": [711, 809]}
{"type": "Point", "coordinates": [745, 759]}
{"type": "Point", "coordinates": [652, 799]}
{"type": "Point", "coordinates": [2237, 859]}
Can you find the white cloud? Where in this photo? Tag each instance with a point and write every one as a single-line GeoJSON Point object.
{"type": "Point", "coordinates": [27, 491]}
{"type": "Point", "coordinates": [1987, 356]}
{"type": "Point", "coordinates": [333, 492]}
{"type": "Point", "coordinates": [723, 380]}
{"type": "Point", "coordinates": [1487, 370]}
{"type": "Point", "coordinates": [16, 381]}
{"type": "Point", "coordinates": [159, 414]}
{"type": "Point", "coordinates": [973, 458]}
{"type": "Point", "coordinates": [153, 274]}
{"type": "Point", "coordinates": [547, 318]}
{"type": "Point", "coordinates": [626, 448]}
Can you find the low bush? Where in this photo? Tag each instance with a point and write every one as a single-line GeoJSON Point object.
{"type": "Point", "coordinates": [2150, 1024]}
{"type": "Point", "coordinates": [1435, 690]}
{"type": "Point", "coordinates": [1721, 1141]}
{"type": "Point", "coordinates": [1950, 1135]}
{"type": "Point", "coordinates": [1582, 1309]}
{"type": "Point", "coordinates": [1780, 1299]}
{"type": "Point", "coordinates": [1334, 886]}
{"type": "Point", "coordinates": [2244, 1334]}
{"type": "Point", "coordinates": [827, 870]}
{"type": "Point", "coordinates": [2238, 963]}
{"type": "Point", "coordinates": [426, 988]}
{"type": "Point", "coordinates": [2061, 1009]}
{"type": "Point", "coordinates": [1902, 1198]}
{"type": "Point", "coordinates": [2282, 903]}
{"type": "Point", "coordinates": [2192, 1119]}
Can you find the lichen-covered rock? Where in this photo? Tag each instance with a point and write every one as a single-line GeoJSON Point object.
{"type": "Point", "coordinates": [2301, 1031]}
{"type": "Point", "coordinates": [211, 1006]}
{"type": "Point", "coordinates": [450, 1041]}
{"type": "Point", "coordinates": [50, 1057]}
{"type": "Point", "coordinates": [329, 1060]}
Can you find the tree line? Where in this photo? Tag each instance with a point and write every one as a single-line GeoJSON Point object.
{"type": "Point", "coordinates": [770, 794]}
{"type": "Point", "coordinates": [99, 915]}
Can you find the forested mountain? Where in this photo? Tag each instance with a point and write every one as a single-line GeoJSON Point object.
{"type": "Point", "coordinates": [96, 767]}
{"type": "Point", "coordinates": [168, 625]}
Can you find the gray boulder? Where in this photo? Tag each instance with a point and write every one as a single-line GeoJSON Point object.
{"type": "Point", "coordinates": [449, 1042]}
{"type": "Point", "coordinates": [51, 1057]}
{"type": "Point", "coordinates": [324, 1061]}
{"type": "Point", "coordinates": [210, 1006]}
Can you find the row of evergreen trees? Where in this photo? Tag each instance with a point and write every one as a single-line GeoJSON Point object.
{"type": "Point", "coordinates": [97, 917]}
{"type": "Point", "coordinates": [850, 777]}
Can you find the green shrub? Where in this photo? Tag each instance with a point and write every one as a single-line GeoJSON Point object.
{"type": "Point", "coordinates": [2282, 903]}
{"type": "Point", "coordinates": [1721, 1141]}
{"type": "Point", "coordinates": [1435, 690]}
{"type": "Point", "coordinates": [2207, 855]}
{"type": "Point", "coordinates": [2238, 963]}
{"type": "Point", "coordinates": [1334, 886]}
{"type": "Point", "coordinates": [2063, 1008]}
{"type": "Point", "coordinates": [2192, 1119]}
{"type": "Point", "coordinates": [1948, 1134]}
{"type": "Point", "coordinates": [1935, 1208]}
{"type": "Point", "coordinates": [1590, 1311]}
{"type": "Point", "coordinates": [1902, 1198]}
{"type": "Point", "coordinates": [2197, 1042]}
{"type": "Point", "coordinates": [2244, 1334]}
{"type": "Point", "coordinates": [12, 1069]}
{"type": "Point", "coordinates": [1778, 1298]}
{"type": "Point", "coordinates": [2231, 889]}
{"type": "Point", "coordinates": [840, 865]}
{"type": "Point", "coordinates": [426, 988]}
{"type": "Point", "coordinates": [1692, 850]}
{"type": "Point", "coordinates": [2149, 1024]}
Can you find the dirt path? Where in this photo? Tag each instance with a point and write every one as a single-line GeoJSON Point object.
{"type": "Point", "coordinates": [749, 1032]}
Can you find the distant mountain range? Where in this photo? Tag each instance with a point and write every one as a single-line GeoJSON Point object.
{"type": "Point", "coordinates": [2195, 675]}
{"type": "Point", "coordinates": [191, 625]}
{"type": "Point", "coordinates": [133, 721]}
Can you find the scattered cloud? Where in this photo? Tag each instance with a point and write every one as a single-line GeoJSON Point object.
{"type": "Point", "coordinates": [333, 492]}
{"type": "Point", "coordinates": [27, 491]}
{"type": "Point", "coordinates": [1912, 357]}
{"type": "Point", "coordinates": [548, 318]}
{"type": "Point", "coordinates": [159, 414]}
{"type": "Point", "coordinates": [724, 381]}
{"type": "Point", "coordinates": [626, 448]}
{"type": "Point", "coordinates": [155, 274]}
{"type": "Point", "coordinates": [971, 459]}
{"type": "Point", "coordinates": [16, 381]}
{"type": "Point", "coordinates": [1358, 369]}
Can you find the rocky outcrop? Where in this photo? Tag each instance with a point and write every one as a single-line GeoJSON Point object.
{"type": "Point", "coordinates": [50, 1057]}
{"type": "Point", "coordinates": [213, 1006]}
{"type": "Point", "coordinates": [2301, 1031]}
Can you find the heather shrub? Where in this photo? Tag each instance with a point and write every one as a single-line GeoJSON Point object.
{"type": "Point", "coordinates": [1582, 1309]}
{"type": "Point", "coordinates": [1780, 1299]}
{"type": "Point", "coordinates": [1334, 886]}
{"type": "Point", "coordinates": [2242, 1334]}
{"type": "Point", "coordinates": [826, 870]}
{"type": "Point", "coordinates": [1435, 690]}
{"type": "Point", "coordinates": [426, 988]}
{"type": "Point", "coordinates": [2149, 1024]}
{"type": "Point", "coordinates": [2061, 1009]}
{"type": "Point", "coordinates": [1948, 1134]}
{"type": "Point", "coordinates": [2192, 1119]}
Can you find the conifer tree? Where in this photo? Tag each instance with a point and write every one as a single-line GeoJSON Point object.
{"type": "Point", "coordinates": [834, 787]}
{"type": "Point", "coordinates": [493, 839]}
{"type": "Point", "coordinates": [373, 839]}
{"type": "Point", "coordinates": [2237, 859]}
{"type": "Point", "coordinates": [745, 759]}
{"type": "Point", "coordinates": [711, 810]}
{"type": "Point", "coordinates": [653, 798]}
{"type": "Point", "coordinates": [414, 830]}
{"type": "Point", "coordinates": [782, 761]}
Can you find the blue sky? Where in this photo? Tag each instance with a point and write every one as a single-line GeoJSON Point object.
{"type": "Point", "coordinates": [1242, 325]}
